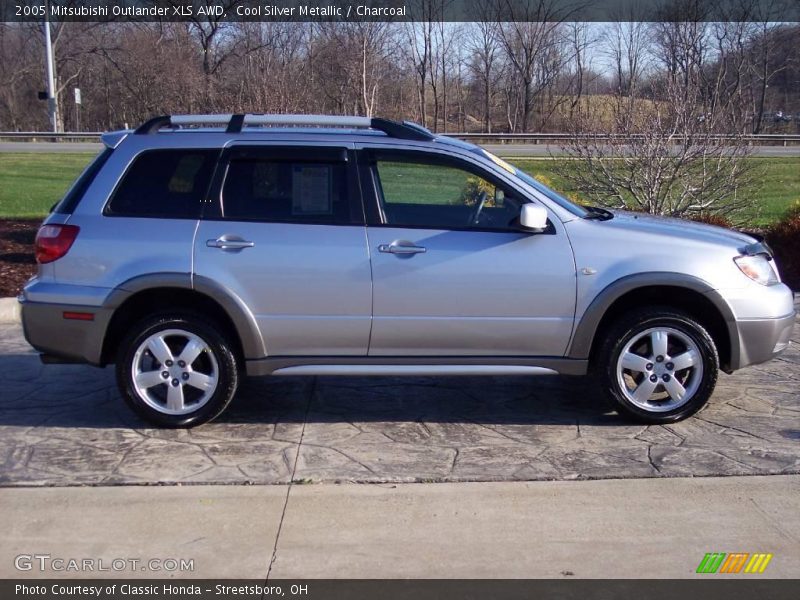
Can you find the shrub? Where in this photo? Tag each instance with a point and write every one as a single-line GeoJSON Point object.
{"type": "Point", "coordinates": [713, 219]}
{"type": "Point", "coordinates": [473, 189]}
{"type": "Point", "coordinates": [784, 239]}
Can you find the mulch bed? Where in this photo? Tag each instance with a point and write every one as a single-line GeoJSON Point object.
{"type": "Point", "coordinates": [17, 263]}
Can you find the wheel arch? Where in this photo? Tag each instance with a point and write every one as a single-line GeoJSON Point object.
{"type": "Point", "coordinates": [691, 294]}
{"type": "Point", "coordinates": [146, 294]}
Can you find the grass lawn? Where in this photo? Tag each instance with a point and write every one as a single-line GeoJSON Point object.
{"type": "Point", "coordinates": [777, 185]}
{"type": "Point", "coordinates": [410, 183]}
{"type": "Point", "coordinates": [31, 183]}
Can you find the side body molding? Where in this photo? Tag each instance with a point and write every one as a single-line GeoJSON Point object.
{"type": "Point", "coordinates": [241, 316]}
{"type": "Point", "coordinates": [585, 331]}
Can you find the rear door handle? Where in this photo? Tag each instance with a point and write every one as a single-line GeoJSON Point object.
{"type": "Point", "coordinates": [225, 243]}
{"type": "Point", "coordinates": [401, 247]}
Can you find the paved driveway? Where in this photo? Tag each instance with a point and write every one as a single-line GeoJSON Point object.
{"type": "Point", "coordinates": [66, 425]}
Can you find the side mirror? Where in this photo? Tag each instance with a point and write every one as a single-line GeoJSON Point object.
{"type": "Point", "coordinates": [533, 217]}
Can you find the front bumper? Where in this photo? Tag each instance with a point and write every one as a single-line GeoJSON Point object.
{"type": "Point", "coordinates": [761, 340]}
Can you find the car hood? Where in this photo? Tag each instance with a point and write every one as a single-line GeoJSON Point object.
{"type": "Point", "coordinates": [678, 228]}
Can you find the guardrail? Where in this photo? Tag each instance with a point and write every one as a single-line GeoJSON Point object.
{"type": "Point", "coordinates": [549, 138]}
{"type": "Point", "coordinates": [492, 138]}
{"type": "Point", "coordinates": [49, 136]}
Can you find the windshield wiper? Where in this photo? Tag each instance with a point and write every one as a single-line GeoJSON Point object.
{"type": "Point", "coordinates": [600, 214]}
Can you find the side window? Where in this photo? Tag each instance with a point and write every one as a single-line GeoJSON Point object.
{"type": "Point", "coordinates": [75, 194]}
{"type": "Point", "coordinates": [418, 194]}
{"type": "Point", "coordinates": [286, 191]}
{"type": "Point", "coordinates": [164, 183]}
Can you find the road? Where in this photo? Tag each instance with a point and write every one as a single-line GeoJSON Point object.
{"type": "Point", "coordinates": [509, 150]}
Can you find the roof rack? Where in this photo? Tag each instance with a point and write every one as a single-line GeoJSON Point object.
{"type": "Point", "coordinates": [235, 123]}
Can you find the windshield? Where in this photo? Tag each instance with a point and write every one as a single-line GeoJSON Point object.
{"type": "Point", "coordinates": [538, 186]}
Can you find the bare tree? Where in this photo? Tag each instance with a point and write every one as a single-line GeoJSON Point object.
{"type": "Point", "coordinates": [530, 41]}
{"type": "Point", "coordinates": [484, 64]}
{"type": "Point", "coordinates": [579, 41]}
{"type": "Point", "coordinates": [763, 68]}
{"type": "Point", "coordinates": [497, 74]}
{"type": "Point", "coordinates": [664, 158]}
{"type": "Point", "coordinates": [419, 51]}
{"type": "Point", "coordinates": [19, 42]}
{"type": "Point", "coordinates": [627, 44]}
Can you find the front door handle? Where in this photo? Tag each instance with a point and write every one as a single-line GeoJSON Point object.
{"type": "Point", "coordinates": [401, 247]}
{"type": "Point", "coordinates": [226, 243]}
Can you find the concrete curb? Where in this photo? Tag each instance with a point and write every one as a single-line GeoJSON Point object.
{"type": "Point", "coordinates": [9, 310]}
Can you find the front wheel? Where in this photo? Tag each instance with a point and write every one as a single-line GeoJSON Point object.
{"type": "Point", "coordinates": [658, 365]}
{"type": "Point", "coordinates": [176, 370]}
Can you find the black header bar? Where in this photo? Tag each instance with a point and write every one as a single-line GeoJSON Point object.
{"type": "Point", "coordinates": [400, 10]}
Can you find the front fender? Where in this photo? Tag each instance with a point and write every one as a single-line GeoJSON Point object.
{"type": "Point", "coordinates": [586, 328]}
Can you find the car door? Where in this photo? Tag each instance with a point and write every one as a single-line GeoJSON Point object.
{"type": "Point", "coordinates": [453, 272]}
{"type": "Point", "coordinates": [284, 232]}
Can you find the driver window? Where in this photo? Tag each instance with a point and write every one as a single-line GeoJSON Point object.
{"type": "Point", "coordinates": [416, 194]}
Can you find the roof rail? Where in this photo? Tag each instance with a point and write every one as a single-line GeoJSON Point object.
{"type": "Point", "coordinates": [153, 125]}
{"type": "Point", "coordinates": [235, 123]}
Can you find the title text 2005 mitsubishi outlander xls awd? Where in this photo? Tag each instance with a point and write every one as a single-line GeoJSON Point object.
{"type": "Point", "coordinates": [199, 248]}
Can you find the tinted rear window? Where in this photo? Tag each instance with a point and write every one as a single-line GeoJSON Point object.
{"type": "Point", "coordinates": [164, 183]}
{"type": "Point", "coordinates": [75, 193]}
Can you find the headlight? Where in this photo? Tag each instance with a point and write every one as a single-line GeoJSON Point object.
{"type": "Point", "coordinates": [758, 268]}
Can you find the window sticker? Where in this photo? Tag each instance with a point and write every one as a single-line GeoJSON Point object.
{"type": "Point", "coordinates": [500, 162]}
{"type": "Point", "coordinates": [311, 190]}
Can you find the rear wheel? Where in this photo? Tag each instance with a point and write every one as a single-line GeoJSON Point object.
{"type": "Point", "coordinates": [176, 370]}
{"type": "Point", "coordinates": [658, 365]}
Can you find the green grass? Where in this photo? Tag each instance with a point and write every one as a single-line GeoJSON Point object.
{"type": "Point", "coordinates": [410, 183]}
{"type": "Point", "coordinates": [776, 187]}
{"type": "Point", "coordinates": [31, 183]}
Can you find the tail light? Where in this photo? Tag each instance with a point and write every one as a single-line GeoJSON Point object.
{"type": "Point", "coordinates": [54, 241]}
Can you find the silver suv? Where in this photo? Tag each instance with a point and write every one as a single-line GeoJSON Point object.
{"type": "Point", "coordinates": [196, 249]}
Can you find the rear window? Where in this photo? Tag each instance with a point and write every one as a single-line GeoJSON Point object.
{"type": "Point", "coordinates": [164, 183]}
{"type": "Point", "coordinates": [67, 204]}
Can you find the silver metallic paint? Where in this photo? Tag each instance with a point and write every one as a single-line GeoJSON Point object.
{"type": "Point", "coordinates": [306, 289]}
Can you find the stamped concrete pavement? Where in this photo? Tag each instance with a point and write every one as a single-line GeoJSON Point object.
{"type": "Point", "coordinates": [67, 425]}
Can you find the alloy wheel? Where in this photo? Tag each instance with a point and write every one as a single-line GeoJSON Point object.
{"type": "Point", "coordinates": [174, 372]}
{"type": "Point", "coordinates": [660, 369]}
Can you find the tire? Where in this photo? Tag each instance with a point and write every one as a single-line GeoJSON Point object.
{"type": "Point", "coordinates": [655, 342]}
{"type": "Point", "coordinates": [177, 370]}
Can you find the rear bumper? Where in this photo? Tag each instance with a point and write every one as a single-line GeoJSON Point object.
{"type": "Point", "coordinates": [49, 332]}
{"type": "Point", "coordinates": [761, 340]}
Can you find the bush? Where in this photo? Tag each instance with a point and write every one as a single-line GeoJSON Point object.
{"type": "Point", "coordinates": [473, 189]}
{"type": "Point", "coordinates": [713, 219]}
{"type": "Point", "coordinates": [784, 239]}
